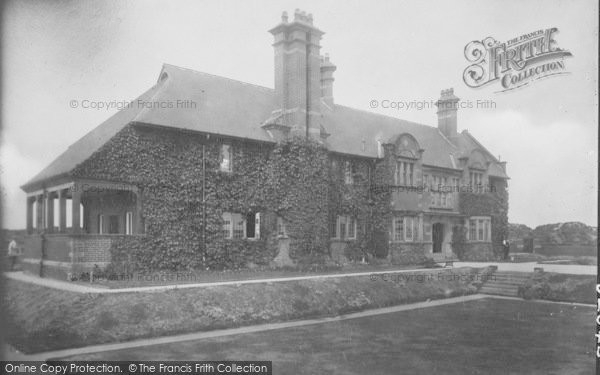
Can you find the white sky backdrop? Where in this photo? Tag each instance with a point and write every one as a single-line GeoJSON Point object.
{"type": "Point", "coordinates": [57, 51]}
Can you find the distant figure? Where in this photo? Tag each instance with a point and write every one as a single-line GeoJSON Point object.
{"type": "Point", "coordinates": [12, 254]}
{"type": "Point", "coordinates": [506, 246]}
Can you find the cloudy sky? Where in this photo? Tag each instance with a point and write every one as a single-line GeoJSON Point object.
{"type": "Point", "coordinates": [58, 51]}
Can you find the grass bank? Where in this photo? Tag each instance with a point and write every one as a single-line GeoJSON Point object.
{"type": "Point", "coordinates": [42, 319]}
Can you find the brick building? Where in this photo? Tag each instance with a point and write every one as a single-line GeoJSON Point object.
{"type": "Point", "coordinates": [183, 177]}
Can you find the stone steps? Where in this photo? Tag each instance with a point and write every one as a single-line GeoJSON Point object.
{"type": "Point", "coordinates": [505, 283]}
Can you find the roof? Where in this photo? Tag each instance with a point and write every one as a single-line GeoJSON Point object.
{"type": "Point", "coordinates": [191, 100]}
{"type": "Point", "coordinates": [84, 147]}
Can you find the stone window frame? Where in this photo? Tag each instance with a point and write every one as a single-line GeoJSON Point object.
{"type": "Point", "coordinates": [432, 180]}
{"type": "Point", "coordinates": [347, 222]}
{"type": "Point", "coordinates": [234, 226]}
{"type": "Point", "coordinates": [403, 222]}
{"type": "Point", "coordinates": [483, 226]}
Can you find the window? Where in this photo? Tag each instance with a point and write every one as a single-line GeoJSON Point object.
{"type": "Point", "coordinates": [281, 229]}
{"type": "Point", "coordinates": [405, 229]}
{"type": "Point", "coordinates": [348, 178]}
{"type": "Point", "coordinates": [472, 228]}
{"type": "Point", "coordinates": [129, 223]}
{"type": "Point", "coordinates": [100, 224]}
{"type": "Point", "coordinates": [408, 228]}
{"type": "Point", "coordinates": [226, 229]}
{"type": "Point", "coordinates": [351, 223]}
{"type": "Point", "coordinates": [398, 229]}
{"type": "Point", "coordinates": [253, 225]}
{"type": "Point", "coordinates": [475, 178]}
{"type": "Point", "coordinates": [226, 158]}
{"type": "Point", "coordinates": [404, 174]}
{"type": "Point", "coordinates": [441, 192]}
{"type": "Point", "coordinates": [455, 184]}
{"type": "Point", "coordinates": [479, 229]}
{"type": "Point", "coordinates": [486, 230]}
{"type": "Point", "coordinates": [238, 226]}
{"type": "Point", "coordinates": [345, 228]}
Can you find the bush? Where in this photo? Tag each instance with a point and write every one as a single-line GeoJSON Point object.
{"type": "Point", "coordinates": [560, 287]}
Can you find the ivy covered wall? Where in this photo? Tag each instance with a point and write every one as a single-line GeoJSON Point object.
{"type": "Point", "coordinates": [297, 180]}
{"type": "Point", "coordinates": [493, 204]}
{"type": "Point", "coordinates": [293, 180]}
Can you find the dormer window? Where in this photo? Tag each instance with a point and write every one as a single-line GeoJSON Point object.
{"type": "Point", "coordinates": [226, 158]}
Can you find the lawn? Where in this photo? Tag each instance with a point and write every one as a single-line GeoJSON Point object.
{"type": "Point", "coordinates": [489, 336]}
{"type": "Point", "coordinates": [42, 319]}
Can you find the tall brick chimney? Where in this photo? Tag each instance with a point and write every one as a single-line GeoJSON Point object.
{"type": "Point", "coordinates": [327, 69]}
{"type": "Point", "coordinates": [447, 108]}
{"type": "Point", "coordinates": [298, 75]}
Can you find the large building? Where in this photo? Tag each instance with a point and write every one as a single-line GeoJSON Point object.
{"type": "Point", "coordinates": [203, 171]}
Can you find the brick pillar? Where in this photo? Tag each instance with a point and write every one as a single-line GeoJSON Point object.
{"type": "Point", "coordinates": [76, 200]}
{"type": "Point", "coordinates": [62, 210]}
{"type": "Point", "coordinates": [50, 212]}
{"type": "Point", "coordinates": [30, 214]}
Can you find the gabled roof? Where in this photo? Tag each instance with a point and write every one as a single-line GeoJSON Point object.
{"type": "Point", "coordinates": [191, 100]}
{"type": "Point", "coordinates": [84, 147]}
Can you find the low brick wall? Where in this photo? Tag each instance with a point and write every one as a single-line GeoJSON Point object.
{"type": "Point", "coordinates": [66, 254]}
{"type": "Point", "coordinates": [90, 249]}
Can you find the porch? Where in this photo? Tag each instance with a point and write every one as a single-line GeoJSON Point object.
{"type": "Point", "coordinates": [72, 226]}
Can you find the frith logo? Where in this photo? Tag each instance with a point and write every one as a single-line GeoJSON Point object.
{"type": "Point", "coordinates": [515, 63]}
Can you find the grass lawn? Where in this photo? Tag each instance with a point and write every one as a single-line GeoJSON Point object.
{"type": "Point", "coordinates": [42, 319]}
{"type": "Point", "coordinates": [489, 336]}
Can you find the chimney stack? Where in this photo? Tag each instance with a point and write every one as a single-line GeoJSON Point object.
{"type": "Point", "coordinates": [297, 76]}
{"type": "Point", "coordinates": [327, 69]}
{"type": "Point", "coordinates": [447, 108]}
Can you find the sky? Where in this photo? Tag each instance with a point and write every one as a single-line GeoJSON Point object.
{"type": "Point", "coordinates": [55, 52]}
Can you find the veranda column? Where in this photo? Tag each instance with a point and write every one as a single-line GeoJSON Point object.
{"type": "Point", "coordinates": [62, 210]}
{"type": "Point", "coordinates": [39, 206]}
{"type": "Point", "coordinates": [30, 214]}
{"type": "Point", "coordinates": [50, 212]}
{"type": "Point", "coordinates": [76, 214]}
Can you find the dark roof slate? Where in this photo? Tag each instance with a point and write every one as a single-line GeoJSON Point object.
{"type": "Point", "coordinates": [191, 100]}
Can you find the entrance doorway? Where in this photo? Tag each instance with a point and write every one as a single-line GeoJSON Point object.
{"type": "Point", "coordinates": [438, 237]}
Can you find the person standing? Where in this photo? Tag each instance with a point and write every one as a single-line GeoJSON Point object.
{"type": "Point", "coordinates": [12, 254]}
{"type": "Point", "coordinates": [506, 246]}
